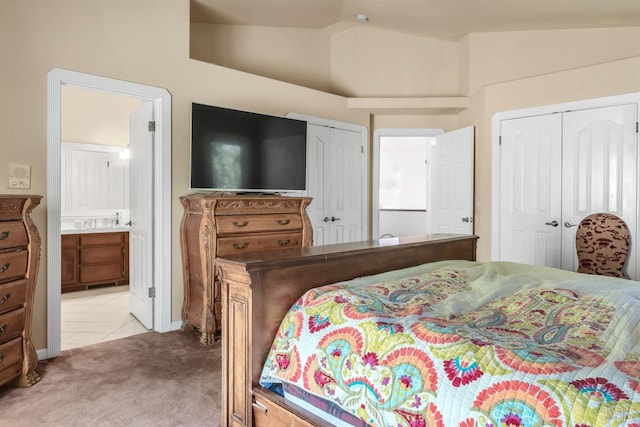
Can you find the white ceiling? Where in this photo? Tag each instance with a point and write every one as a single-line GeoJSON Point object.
{"type": "Point", "coordinates": [443, 19]}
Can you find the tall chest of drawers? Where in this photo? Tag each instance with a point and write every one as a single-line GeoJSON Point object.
{"type": "Point", "coordinates": [221, 226]}
{"type": "Point", "coordinates": [19, 259]}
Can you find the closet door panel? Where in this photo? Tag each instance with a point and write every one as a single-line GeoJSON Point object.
{"type": "Point", "coordinates": [598, 172]}
{"type": "Point", "coordinates": [530, 193]}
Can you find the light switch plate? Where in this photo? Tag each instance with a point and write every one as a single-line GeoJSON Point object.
{"type": "Point", "coordinates": [20, 176]}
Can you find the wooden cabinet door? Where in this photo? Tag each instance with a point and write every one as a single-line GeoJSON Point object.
{"type": "Point", "coordinates": [69, 269]}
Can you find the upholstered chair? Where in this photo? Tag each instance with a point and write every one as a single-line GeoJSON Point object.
{"type": "Point", "coordinates": [602, 244]}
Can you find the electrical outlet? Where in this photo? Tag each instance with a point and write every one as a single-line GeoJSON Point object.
{"type": "Point", "coordinates": [20, 176]}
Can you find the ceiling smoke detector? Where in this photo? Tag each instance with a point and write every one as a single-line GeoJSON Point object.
{"type": "Point", "coordinates": [362, 18]}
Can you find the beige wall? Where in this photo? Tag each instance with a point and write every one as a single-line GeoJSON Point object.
{"type": "Point", "coordinates": [506, 56]}
{"type": "Point", "coordinates": [372, 63]}
{"type": "Point", "coordinates": [93, 117]}
{"type": "Point", "coordinates": [116, 39]}
{"type": "Point", "coordinates": [361, 61]}
{"type": "Point", "coordinates": [295, 55]}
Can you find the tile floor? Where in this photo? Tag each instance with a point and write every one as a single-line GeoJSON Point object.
{"type": "Point", "coordinates": [97, 315]}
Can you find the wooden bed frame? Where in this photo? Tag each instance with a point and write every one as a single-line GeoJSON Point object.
{"type": "Point", "coordinates": [258, 289]}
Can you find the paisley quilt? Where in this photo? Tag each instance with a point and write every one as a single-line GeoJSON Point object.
{"type": "Point", "coordinates": [462, 344]}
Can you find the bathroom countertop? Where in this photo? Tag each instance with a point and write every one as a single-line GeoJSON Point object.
{"type": "Point", "coordinates": [95, 230]}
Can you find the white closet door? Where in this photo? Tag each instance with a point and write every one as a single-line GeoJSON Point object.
{"type": "Point", "coordinates": [530, 190]}
{"type": "Point", "coordinates": [598, 172]}
{"type": "Point", "coordinates": [318, 139]}
{"type": "Point", "coordinates": [344, 167]}
{"type": "Point", "coordinates": [334, 180]}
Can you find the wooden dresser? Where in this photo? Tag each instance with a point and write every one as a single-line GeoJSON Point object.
{"type": "Point", "coordinates": [19, 260]}
{"type": "Point", "coordinates": [94, 259]}
{"type": "Point", "coordinates": [215, 226]}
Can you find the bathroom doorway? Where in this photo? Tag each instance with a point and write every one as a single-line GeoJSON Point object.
{"type": "Point", "coordinates": [158, 259]}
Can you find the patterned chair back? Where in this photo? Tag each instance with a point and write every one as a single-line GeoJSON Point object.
{"type": "Point", "coordinates": [602, 244]}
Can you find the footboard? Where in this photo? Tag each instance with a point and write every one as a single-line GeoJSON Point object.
{"type": "Point", "coordinates": [258, 290]}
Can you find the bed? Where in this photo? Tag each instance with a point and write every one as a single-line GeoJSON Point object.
{"type": "Point", "coordinates": [447, 342]}
{"type": "Point", "coordinates": [258, 290]}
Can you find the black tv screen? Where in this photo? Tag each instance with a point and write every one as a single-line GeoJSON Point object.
{"type": "Point", "coordinates": [240, 151]}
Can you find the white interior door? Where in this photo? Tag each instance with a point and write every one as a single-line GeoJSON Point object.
{"type": "Point", "coordinates": [530, 190]}
{"type": "Point", "coordinates": [345, 175]}
{"type": "Point", "coordinates": [451, 182]}
{"type": "Point", "coordinates": [318, 139]}
{"type": "Point", "coordinates": [141, 207]}
{"type": "Point", "coordinates": [334, 181]}
{"type": "Point", "coordinates": [598, 172]}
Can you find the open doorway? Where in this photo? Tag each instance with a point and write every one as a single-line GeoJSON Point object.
{"type": "Point", "coordinates": [158, 259]}
{"type": "Point", "coordinates": [95, 212]}
{"type": "Point", "coordinates": [422, 182]}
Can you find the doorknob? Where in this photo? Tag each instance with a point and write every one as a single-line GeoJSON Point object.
{"type": "Point", "coordinates": [553, 223]}
{"type": "Point", "coordinates": [332, 219]}
{"type": "Point", "coordinates": [467, 219]}
{"type": "Point", "coordinates": [569, 225]}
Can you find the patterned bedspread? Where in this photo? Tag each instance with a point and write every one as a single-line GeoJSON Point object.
{"type": "Point", "coordinates": [459, 343]}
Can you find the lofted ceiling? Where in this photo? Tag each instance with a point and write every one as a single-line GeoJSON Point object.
{"type": "Point", "coordinates": [442, 19]}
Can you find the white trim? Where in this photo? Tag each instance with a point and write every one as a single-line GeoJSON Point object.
{"type": "Point", "coordinates": [162, 193]}
{"type": "Point", "coordinates": [364, 132]}
{"type": "Point", "coordinates": [375, 175]}
{"type": "Point", "coordinates": [496, 121]}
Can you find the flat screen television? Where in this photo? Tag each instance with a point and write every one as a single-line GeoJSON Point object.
{"type": "Point", "coordinates": [246, 152]}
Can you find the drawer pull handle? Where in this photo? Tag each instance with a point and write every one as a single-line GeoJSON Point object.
{"type": "Point", "coordinates": [3, 328]}
{"type": "Point", "coordinates": [284, 242]}
{"type": "Point", "coordinates": [240, 245]}
{"type": "Point", "coordinates": [4, 235]}
{"type": "Point", "coordinates": [283, 221]}
{"type": "Point", "coordinates": [5, 298]}
{"type": "Point", "coordinates": [260, 407]}
{"type": "Point", "coordinates": [5, 267]}
{"type": "Point", "coordinates": [1, 357]}
{"type": "Point", "coordinates": [240, 224]}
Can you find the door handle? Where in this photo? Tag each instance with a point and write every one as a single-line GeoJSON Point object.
{"type": "Point", "coordinates": [332, 219]}
{"type": "Point", "coordinates": [467, 219]}
{"type": "Point", "coordinates": [553, 223]}
{"type": "Point", "coordinates": [569, 225]}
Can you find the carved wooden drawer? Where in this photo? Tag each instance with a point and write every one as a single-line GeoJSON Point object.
{"type": "Point", "coordinates": [100, 254]}
{"type": "Point", "coordinates": [100, 239]}
{"type": "Point", "coordinates": [10, 360]}
{"type": "Point", "coordinates": [13, 265]}
{"type": "Point", "coordinates": [11, 324]}
{"type": "Point", "coordinates": [12, 295]}
{"type": "Point", "coordinates": [12, 234]}
{"type": "Point", "coordinates": [258, 223]}
{"type": "Point", "coordinates": [258, 243]}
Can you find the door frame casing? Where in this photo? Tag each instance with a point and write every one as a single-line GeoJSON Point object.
{"type": "Point", "coordinates": [161, 99]}
{"type": "Point", "coordinates": [496, 124]}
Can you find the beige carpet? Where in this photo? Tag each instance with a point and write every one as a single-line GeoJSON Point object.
{"type": "Point", "coordinates": [150, 379]}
